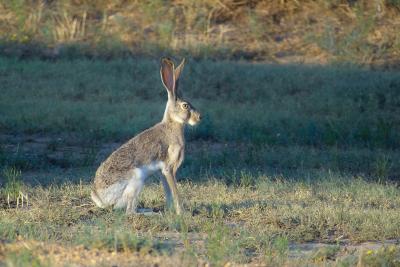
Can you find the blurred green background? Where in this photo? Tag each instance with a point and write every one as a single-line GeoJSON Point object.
{"type": "Point", "coordinates": [286, 87]}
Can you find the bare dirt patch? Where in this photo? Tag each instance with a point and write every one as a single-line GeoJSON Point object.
{"type": "Point", "coordinates": [59, 255]}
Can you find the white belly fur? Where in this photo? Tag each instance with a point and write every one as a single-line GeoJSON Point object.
{"type": "Point", "coordinates": [125, 190]}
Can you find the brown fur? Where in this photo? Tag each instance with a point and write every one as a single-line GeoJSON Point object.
{"type": "Point", "coordinates": [150, 145]}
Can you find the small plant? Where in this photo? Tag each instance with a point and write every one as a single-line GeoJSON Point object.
{"type": "Point", "coordinates": [217, 212]}
{"type": "Point", "coordinates": [12, 190]}
{"type": "Point", "coordinates": [246, 179]}
{"type": "Point", "coordinates": [243, 179]}
{"type": "Point", "coordinates": [382, 167]}
{"type": "Point", "coordinates": [69, 27]}
{"type": "Point", "coordinates": [24, 257]}
{"type": "Point", "coordinates": [325, 253]}
{"type": "Point", "coordinates": [386, 256]}
{"type": "Point", "coordinates": [220, 245]}
{"type": "Point", "coordinates": [281, 245]}
{"type": "Point", "coordinates": [177, 223]}
{"type": "Point", "coordinates": [13, 182]}
{"type": "Point", "coordinates": [129, 242]}
{"type": "Point", "coordinates": [276, 251]}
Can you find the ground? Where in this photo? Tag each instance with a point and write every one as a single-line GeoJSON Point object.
{"type": "Point", "coordinates": [328, 220]}
{"type": "Point", "coordinates": [292, 165]}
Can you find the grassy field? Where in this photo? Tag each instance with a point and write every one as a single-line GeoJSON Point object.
{"type": "Point", "coordinates": [292, 118]}
{"type": "Point", "coordinates": [290, 31]}
{"type": "Point", "coordinates": [257, 225]}
{"type": "Point", "coordinates": [286, 156]}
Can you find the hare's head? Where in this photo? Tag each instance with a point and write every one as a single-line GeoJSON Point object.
{"type": "Point", "coordinates": [178, 109]}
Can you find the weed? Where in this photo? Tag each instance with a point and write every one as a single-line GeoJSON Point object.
{"type": "Point", "coordinates": [325, 253]}
{"type": "Point", "coordinates": [385, 256]}
{"type": "Point", "coordinates": [382, 167]}
{"type": "Point", "coordinates": [275, 250]}
{"type": "Point", "coordinates": [247, 179]}
{"type": "Point", "coordinates": [220, 245]}
{"type": "Point", "coordinates": [25, 257]}
{"type": "Point", "coordinates": [177, 223]}
{"type": "Point", "coordinates": [13, 183]}
{"type": "Point", "coordinates": [217, 212]}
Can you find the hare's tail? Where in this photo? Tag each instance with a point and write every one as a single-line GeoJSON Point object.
{"type": "Point", "coordinates": [97, 199]}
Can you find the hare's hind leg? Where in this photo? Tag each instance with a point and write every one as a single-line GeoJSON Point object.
{"type": "Point", "coordinates": [131, 193]}
{"type": "Point", "coordinates": [136, 188]}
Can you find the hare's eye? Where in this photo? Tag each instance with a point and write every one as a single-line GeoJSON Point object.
{"type": "Point", "coordinates": [185, 106]}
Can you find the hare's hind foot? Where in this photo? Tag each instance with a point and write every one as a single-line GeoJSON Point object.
{"type": "Point", "coordinates": [96, 199]}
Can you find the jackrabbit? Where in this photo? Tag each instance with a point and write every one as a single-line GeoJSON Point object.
{"type": "Point", "coordinates": [120, 178]}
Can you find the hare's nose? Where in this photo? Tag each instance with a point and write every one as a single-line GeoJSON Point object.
{"type": "Point", "coordinates": [199, 116]}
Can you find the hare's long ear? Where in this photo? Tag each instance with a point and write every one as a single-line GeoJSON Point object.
{"type": "Point", "coordinates": [168, 76]}
{"type": "Point", "coordinates": [178, 72]}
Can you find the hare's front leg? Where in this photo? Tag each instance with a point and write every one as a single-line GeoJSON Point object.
{"type": "Point", "coordinates": [171, 189]}
{"type": "Point", "coordinates": [168, 194]}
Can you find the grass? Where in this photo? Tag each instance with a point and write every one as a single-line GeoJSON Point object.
{"type": "Point", "coordinates": [290, 31]}
{"type": "Point", "coordinates": [294, 117]}
{"type": "Point", "coordinates": [292, 165]}
{"type": "Point", "coordinates": [221, 223]}
{"type": "Point", "coordinates": [322, 106]}
{"type": "Point", "coordinates": [13, 183]}
{"type": "Point", "coordinates": [24, 257]}
{"type": "Point", "coordinates": [286, 155]}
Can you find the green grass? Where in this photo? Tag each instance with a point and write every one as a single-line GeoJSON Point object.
{"type": "Point", "coordinates": [291, 117]}
{"type": "Point", "coordinates": [300, 105]}
{"type": "Point", "coordinates": [221, 223]}
{"type": "Point", "coordinates": [13, 183]}
{"type": "Point", "coordinates": [23, 258]}
{"type": "Point", "coordinates": [285, 155]}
